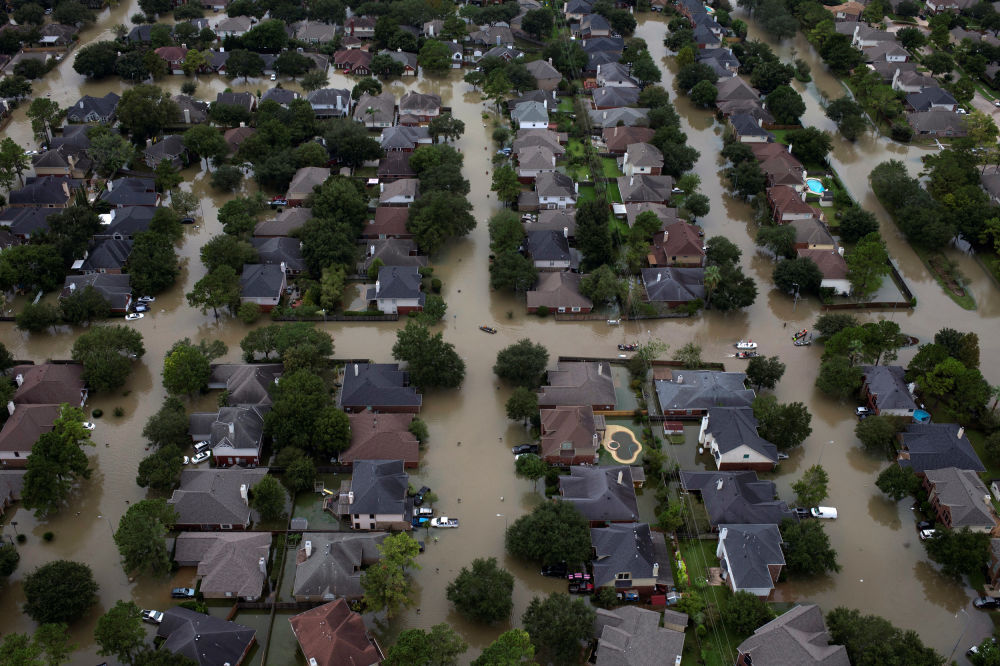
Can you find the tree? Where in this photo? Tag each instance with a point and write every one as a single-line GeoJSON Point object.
{"type": "Point", "coordinates": [29, 13]}
{"type": "Point", "coordinates": [9, 557]}
{"type": "Point", "coordinates": [13, 162]}
{"type": "Point", "coordinates": [167, 176]}
{"type": "Point", "coordinates": [691, 75]}
{"type": "Point", "coordinates": [60, 591]}
{"type": "Point", "coordinates": [434, 56]}
{"type": "Point", "coordinates": [703, 94]}
{"type": "Point", "coordinates": [602, 285]}
{"type": "Point", "coordinates": [44, 115]}
{"type": "Point", "coordinates": [839, 378]}
{"type": "Point", "coordinates": [206, 142]}
{"type": "Point", "coordinates": [244, 63]}
{"type": "Point", "coordinates": [30, 267]}
{"type": "Point", "coordinates": [56, 462]}
{"type": "Point", "coordinates": [987, 652]}
{"type": "Point", "coordinates": [437, 216]}
{"type": "Point", "coordinates": [857, 223]}
{"type": "Point", "coordinates": [220, 288]}
{"type": "Point", "coordinates": [799, 275]}
{"type": "Point", "coordinates": [227, 178]}
{"type": "Point", "coordinates": [744, 611]}
{"type": "Point", "coordinates": [522, 404]}
{"type": "Point", "coordinates": [431, 361]}
{"type": "Point", "coordinates": [849, 115]}
{"type": "Point", "coordinates": [160, 469]}
{"type": "Point", "coordinates": [168, 426]}
{"type": "Point", "coordinates": [227, 250]}
{"type": "Point", "coordinates": [505, 184]}
{"type": "Point", "coordinates": [440, 646]}
{"type": "Point", "coordinates": [511, 648]}
{"type": "Point", "coordinates": [810, 490]}
{"type": "Point", "coordinates": [141, 537]}
{"type": "Point", "coordinates": [537, 23]}
{"type": "Point", "coordinates": [593, 234]}
{"type": "Point", "coordinates": [644, 69]}
{"type": "Point", "coordinates": [784, 425]}
{"type": "Point", "coordinates": [15, 87]}
{"type": "Point", "coordinates": [867, 265]}
{"type": "Point", "coordinates": [898, 482]}
{"type": "Point", "coordinates": [689, 355]}
{"type": "Point", "coordinates": [144, 110]}
{"type": "Point", "coordinates": [96, 60]}
{"type": "Point", "coordinates": [786, 105]}
{"type": "Point", "coordinates": [810, 145]}
{"type": "Point", "coordinates": [531, 467]}
{"type": "Point", "coordinates": [300, 473]}
{"type": "Point", "coordinates": [186, 369]}
{"type": "Point", "coordinates": [871, 640]}
{"type": "Point", "coordinates": [385, 583]}
{"type": "Point", "coordinates": [959, 552]}
{"type": "Point", "coordinates": [281, 339]}
{"type": "Point", "coordinates": [314, 80]}
{"type": "Point", "coordinates": [270, 36]}
{"type": "Point", "coordinates": [553, 532]}
{"type": "Point", "coordinates": [120, 633]}
{"type": "Point", "coordinates": [107, 353]}
{"type": "Point", "coordinates": [50, 640]}
{"type": "Point", "coordinates": [558, 625]}
{"type": "Point", "coordinates": [483, 592]}
{"type": "Point", "coordinates": [303, 416]}
{"type": "Point", "coordinates": [807, 548]}
{"type": "Point", "coordinates": [83, 306]}
{"type": "Point", "coordinates": [194, 60]}
{"type": "Point", "coordinates": [293, 64]}
{"type": "Point", "coordinates": [152, 7]}
{"type": "Point", "coordinates": [522, 363]}
{"type": "Point", "coordinates": [765, 371]}
{"type": "Point", "coordinates": [512, 270]}
{"type": "Point", "coordinates": [877, 435]}
{"type": "Point", "coordinates": [446, 126]}
{"type": "Point", "coordinates": [110, 152]}
{"type": "Point", "coordinates": [778, 238]}
{"type": "Point", "coordinates": [830, 324]}
{"type": "Point", "coordinates": [720, 251]}
{"type": "Point", "coordinates": [268, 498]}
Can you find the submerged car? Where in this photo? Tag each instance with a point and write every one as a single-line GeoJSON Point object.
{"type": "Point", "coordinates": [182, 593]}
{"type": "Point", "coordinates": [555, 570]}
{"type": "Point", "coordinates": [986, 603]}
{"type": "Point", "coordinates": [525, 448]}
{"type": "Point", "coordinates": [827, 512]}
{"type": "Point", "coordinates": [132, 316]}
{"type": "Point", "coordinates": [927, 534]}
{"type": "Point", "coordinates": [89, 425]}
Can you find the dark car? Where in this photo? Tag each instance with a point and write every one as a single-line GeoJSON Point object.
{"type": "Point", "coordinates": [802, 512]}
{"type": "Point", "coordinates": [182, 593]}
{"type": "Point", "coordinates": [418, 497]}
{"type": "Point", "coordinates": [925, 525]}
{"type": "Point", "coordinates": [525, 448]}
{"type": "Point", "coordinates": [555, 570]}
{"type": "Point", "coordinates": [986, 603]}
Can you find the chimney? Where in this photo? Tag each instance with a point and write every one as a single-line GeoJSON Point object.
{"type": "Point", "coordinates": [184, 46]}
{"type": "Point", "coordinates": [371, 250]}
{"type": "Point", "coordinates": [242, 124]}
{"type": "Point", "coordinates": [232, 429]}
{"type": "Point", "coordinates": [631, 180]}
{"type": "Point", "coordinates": [378, 287]}
{"type": "Point", "coordinates": [187, 116]}
{"type": "Point", "coordinates": [350, 497]}
{"type": "Point", "coordinates": [283, 267]}
{"type": "Point", "coordinates": [11, 407]}
{"type": "Point", "coordinates": [65, 189]}
{"type": "Point", "coordinates": [680, 379]}
{"type": "Point", "coordinates": [840, 250]}
{"type": "Point", "coordinates": [72, 286]}
{"type": "Point", "coordinates": [355, 369]}
{"type": "Point", "coordinates": [222, 49]}
{"type": "Point", "coordinates": [961, 432]}
{"type": "Point", "coordinates": [243, 494]}
{"type": "Point", "coordinates": [658, 276]}
{"type": "Point", "coordinates": [760, 121]}
{"type": "Point", "coordinates": [399, 50]}
{"type": "Point", "coordinates": [309, 549]}
{"type": "Point", "coordinates": [605, 114]}
{"type": "Point", "coordinates": [550, 61]}
{"type": "Point", "coordinates": [656, 569]}
{"type": "Point", "coordinates": [621, 473]}
{"type": "Point", "coordinates": [262, 563]}
{"type": "Point", "coordinates": [802, 195]}
{"type": "Point", "coordinates": [566, 232]}
{"type": "Point", "coordinates": [381, 187]}
{"type": "Point", "coordinates": [718, 485]}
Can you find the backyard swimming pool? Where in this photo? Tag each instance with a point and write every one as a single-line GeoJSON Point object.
{"type": "Point", "coordinates": [815, 185]}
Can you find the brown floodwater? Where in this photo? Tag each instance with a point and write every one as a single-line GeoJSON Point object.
{"type": "Point", "coordinates": [468, 461]}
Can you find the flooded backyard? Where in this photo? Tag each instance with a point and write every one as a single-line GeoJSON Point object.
{"type": "Point", "coordinates": [467, 461]}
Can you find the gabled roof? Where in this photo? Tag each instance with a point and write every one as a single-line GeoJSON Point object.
{"type": "Point", "coordinates": [377, 385]}
{"type": "Point", "coordinates": [333, 565]}
{"type": "Point", "coordinates": [601, 493]}
{"type": "Point", "coordinates": [617, 72]}
{"type": "Point", "coordinates": [26, 220]}
{"type": "Point", "coordinates": [737, 498]}
{"type": "Point", "coordinates": [887, 384]}
{"type": "Point", "coordinates": [548, 246]}
{"type": "Point", "coordinates": [928, 97]}
{"type": "Point", "coordinates": [383, 108]}
{"type": "Point", "coordinates": [750, 550]}
{"type": "Point", "coordinates": [592, 22]}
{"type": "Point", "coordinates": [676, 240]}
{"type": "Point", "coordinates": [537, 137]}
{"type": "Point", "coordinates": [668, 284]}
{"type": "Point", "coordinates": [644, 155]}
{"type": "Point", "coordinates": [404, 187]}
{"type": "Point", "coordinates": [397, 282]}
{"type": "Point", "coordinates": [609, 97]}
{"type": "Point", "coordinates": [936, 446]}
{"type": "Point", "coordinates": [246, 383]}
{"type": "Point", "coordinates": [261, 280]}
{"type": "Point", "coordinates": [403, 137]}
{"type": "Point", "coordinates": [115, 288]}
{"type": "Point", "coordinates": [629, 548]}
{"type": "Point", "coordinates": [242, 99]}
{"type": "Point", "coordinates": [595, 44]}
{"type": "Point", "coordinates": [703, 389]}
{"type": "Point", "coordinates": [642, 187]}
{"type": "Point", "coordinates": [196, 108]}
{"type": "Point", "coordinates": [229, 563]}
{"type": "Point", "coordinates": [235, 136]}
{"type": "Point", "coordinates": [330, 97]}
{"type": "Point", "coordinates": [280, 249]}
{"type": "Point", "coordinates": [618, 138]}
{"type": "Point", "coordinates": [237, 431]}
{"type": "Point", "coordinates": [555, 218]}
{"type": "Point", "coordinates": [391, 252]}
{"type": "Point", "coordinates": [632, 636]}
{"type": "Point", "coordinates": [786, 199]}
{"type": "Point", "coordinates": [314, 31]}
{"type": "Point", "coordinates": [746, 125]}
{"type": "Point", "coordinates": [171, 53]}
{"type": "Point", "coordinates": [388, 220]}
{"type": "Point", "coordinates": [234, 24]}
{"type": "Point", "coordinates": [542, 69]}
{"type": "Point", "coordinates": [403, 58]}
{"type": "Point", "coordinates": [381, 437]}
{"type": "Point", "coordinates": [795, 638]}
{"type": "Point", "coordinates": [830, 262]}
{"type": "Point", "coordinates": [307, 178]}
{"type": "Point", "coordinates": [666, 214]}
{"type": "Point", "coordinates": [625, 116]}
{"type": "Point", "coordinates": [212, 496]}
{"type": "Point", "coordinates": [530, 112]}
{"type": "Point", "coordinates": [811, 231]}
{"type": "Point", "coordinates": [734, 427]}
{"type": "Point", "coordinates": [208, 640]}
{"type": "Point", "coordinates": [419, 104]}
{"type": "Point", "coordinates": [282, 96]}
{"type": "Point", "coordinates": [937, 120]}
{"type": "Point", "coordinates": [578, 383]}
{"type": "Point", "coordinates": [48, 384]}
{"type": "Point", "coordinates": [110, 254]}
{"type": "Point", "coordinates": [104, 107]}
{"type": "Point", "coordinates": [51, 190]}
{"type": "Point", "coordinates": [379, 487]}
{"type": "Point", "coordinates": [556, 289]}
{"type": "Point", "coordinates": [554, 184]}
{"type": "Point", "coordinates": [965, 495]}
{"type": "Point", "coordinates": [736, 88]}
{"type": "Point", "coordinates": [536, 158]}
{"type": "Point", "coordinates": [568, 429]}
{"type": "Point", "coordinates": [285, 222]}
{"type": "Point", "coordinates": [25, 426]}
{"type": "Point", "coordinates": [334, 635]}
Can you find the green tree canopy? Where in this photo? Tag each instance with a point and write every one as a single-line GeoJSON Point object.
{"type": "Point", "coordinates": [267, 498]}
{"type": "Point", "coordinates": [141, 537]}
{"type": "Point", "coordinates": [807, 548]}
{"type": "Point", "coordinates": [60, 591]}
{"type": "Point", "coordinates": [431, 361]}
{"type": "Point", "coordinates": [522, 363]}
{"type": "Point", "coordinates": [877, 435]}
{"type": "Point", "coordinates": [120, 633]}
{"type": "Point", "coordinates": [765, 371]}
{"type": "Point", "coordinates": [386, 583]}
{"type": "Point", "coordinates": [56, 462]}
{"type": "Point", "coordinates": [511, 648]}
{"type": "Point", "coordinates": [873, 641]}
{"type": "Point", "coordinates": [558, 626]}
{"type": "Point", "coordinates": [107, 354]}
{"type": "Point", "coordinates": [898, 482]}
{"type": "Point", "coordinates": [441, 646]}
{"type": "Point", "coordinates": [483, 592]}
{"type": "Point", "coordinates": [553, 532]}
{"type": "Point", "coordinates": [811, 489]}
{"type": "Point", "coordinates": [784, 425]}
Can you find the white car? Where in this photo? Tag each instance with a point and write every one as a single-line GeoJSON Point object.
{"type": "Point", "coordinates": [89, 425]}
{"type": "Point", "coordinates": [186, 461]}
{"type": "Point", "coordinates": [827, 512]}
{"type": "Point", "coordinates": [152, 616]}
{"type": "Point", "coordinates": [927, 534]}
{"type": "Point", "coordinates": [274, 77]}
{"type": "Point", "coordinates": [132, 316]}
{"type": "Point", "coordinates": [201, 457]}
{"type": "Point", "coordinates": [147, 299]}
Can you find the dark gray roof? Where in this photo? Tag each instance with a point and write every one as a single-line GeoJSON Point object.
{"type": "Point", "coordinates": [207, 640]}
{"type": "Point", "coordinates": [130, 191]}
{"type": "Point", "coordinates": [596, 58]}
{"type": "Point", "coordinates": [213, 497]}
{"type": "Point", "coordinates": [261, 280]}
{"type": "Point", "coordinates": [554, 184]}
{"type": "Point", "coordinates": [245, 383]}
{"type": "Point", "coordinates": [101, 107]}
{"type": "Point", "coordinates": [280, 249]}
{"type": "Point", "coordinates": [377, 385]}
{"type": "Point", "coordinates": [128, 221]}
{"type": "Point", "coordinates": [702, 34]}
{"type": "Point", "coordinates": [242, 99]}
{"type": "Point", "coordinates": [632, 636]}
{"type": "Point", "coordinates": [237, 430]}
{"type": "Point", "coordinates": [936, 446]}
{"type": "Point", "coordinates": [796, 638]}
{"type": "Point", "coordinates": [746, 125]}
{"type": "Point", "coordinates": [628, 116]}
{"type": "Point", "coordinates": [530, 112]}
{"type": "Point", "coordinates": [284, 223]}
{"type": "Point", "coordinates": [141, 33]}
{"type": "Point", "coordinates": [703, 389]}
{"type": "Point", "coordinates": [631, 548]}
{"type": "Point", "coordinates": [282, 96]}
{"type": "Point", "coordinates": [601, 493]}
{"type": "Point", "coordinates": [668, 284]}
{"type": "Point", "coordinates": [596, 44]}
{"type": "Point", "coordinates": [166, 148]}
{"type": "Point", "coordinates": [965, 495]}
{"type": "Point", "coordinates": [403, 137]}
{"type": "Point", "coordinates": [734, 427]}
{"type": "Point", "coordinates": [750, 549]}
{"type": "Point", "coordinates": [928, 97]}
{"type": "Point", "coordinates": [379, 487]}
{"type": "Point", "coordinates": [392, 252]}
{"type": "Point", "coordinates": [614, 96]}
{"type": "Point", "coordinates": [419, 103]}
{"type": "Point", "coordinates": [889, 387]}
{"type": "Point", "coordinates": [738, 498]}
{"type": "Point", "coordinates": [330, 96]}
{"type": "Point", "coordinates": [579, 383]}
{"type": "Point", "coordinates": [550, 245]}
{"type": "Point", "coordinates": [397, 282]}
{"type": "Point", "coordinates": [592, 22]}
{"type": "Point", "coordinates": [108, 254]}
{"type": "Point", "coordinates": [42, 190]}
{"type": "Point", "coordinates": [115, 288]}
{"type": "Point", "coordinates": [640, 187]}
{"type": "Point", "coordinates": [938, 120]}
{"type": "Point", "coordinates": [722, 56]}
{"type": "Point", "coordinates": [333, 567]}
{"type": "Point", "coordinates": [27, 220]}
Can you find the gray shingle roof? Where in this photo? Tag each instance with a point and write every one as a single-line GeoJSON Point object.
{"type": "Point", "coordinates": [115, 288]}
{"type": "Point", "coordinates": [750, 549]}
{"type": "Point", "coordinates": [554, 184]}
{"type": "Point", "coordinates": [627, 116]}
{"type": "Point", "coordinates": [379, 487]}
{"type": "Point", "coordinates": [383, 108]}
{"type": "Point", "coordinates": [963, 492]}
{"type": "Point", "coordinates": [102, 107]}
{"type": "Point", "coordinates": [796, 638]}
{"type": "Point", "coordinates": [734, 427]}
{"type": "Point", "coordinates": [377, 385]}
{"type": "Point", "coordinates": [629, 548]}
{"type": "Point", "coordinates": [887, 384]}
{"type": "Point", "coordinates": [578, 383]}
{"type": "Point", "coordinates": [644, 155]}
{"type": "Point", "coordinates": [245, 383]}
{"type": "Point", "coordinates": [398, 282]}
{"type": "Point", "coordinates": [228, 562]}
{"type": "Point", "coordinates": [928, 97]}
{"type": "Point", "coordinates": [645, 188]}
{"type": "Point", "coordinates": [280, 249]}
{"type": "Point", "coordinates": [212, 496]}
{"type": "Point", "coordinates": [419, 103]}
{"type": "Point", "coordinates": [703, 389]}
{"type": "Point", "coordinates": [207, 640]}
{"type": "Point", "coordinates": [392, 252]}
{"type": "Point", "coordinates": [261, 280]}
{"type": "Point", "coordinates": [631, 636]}
{"type": "Point", "coordinates": [549, 245]}
{"type": "Point", "coordinates": [667, 284]}
{"type": "Point", "coordinates": [541, 69]}
{"type": "Point", "coordinates": [615, 97]}
{"type": "Point", "coordinates": [333, 568]}
{"type": "Point", "coordinates": [108, 254]}
{"type": "Point", "coordinates": [237, 431]}
{"type": "Point", "coordinates": [936, 446]}
{"type": "Point", "coordinates": [737, 498]}
{"type": "Point", "coordinates": [601, 493]}
{"type": "Point", "coordinates": [530, 112]}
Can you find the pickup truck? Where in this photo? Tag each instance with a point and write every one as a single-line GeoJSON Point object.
{"type": "Point", "coordinates": [444, 521]}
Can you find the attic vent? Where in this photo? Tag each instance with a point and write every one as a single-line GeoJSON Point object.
{"type": "Point", "coordinates": [718, 484]}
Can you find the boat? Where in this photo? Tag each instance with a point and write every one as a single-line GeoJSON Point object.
{"type": "Point", "coordinates": [801, 334]}
{"type": "Point", "coordinates": [746, 344]}
{"type": "Point", "coordinates": [747, 354]}
{"type": "Point", "coordinates": [614, 322]}
{"type": "Point", "coordinates": [444, 521]}
{"type": "Point", "coordinates": [488, 329]}
{"type": "Point", "coordinates": [802, 342]}
{"type": "Point", "coordinates": [629, 347]}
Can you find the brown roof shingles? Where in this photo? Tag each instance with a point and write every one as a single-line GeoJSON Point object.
{"type": "Point", "coordinates": [334, 635]}
{"type": "Point", "coordinates": [382, 437]}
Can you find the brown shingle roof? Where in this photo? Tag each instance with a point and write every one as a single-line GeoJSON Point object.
{"type": "Point", "coordinates": [830, 263]}
{"type": "Point", "coordinates": [48, 384]}
{"type": "Point", "coordinates": [334, 635]}
{"type": "Point", "coordinates": [558, 289]}
{"type": "Point", "coordinates": [26, 425]}
{"type": "Point", "coordinates": [569, 425]}
{"type": "Point", "coordinates": [381, 437]}
{"type": "Point", "coordinates": [786, 200]}
{"type": "Point", "coordinates": [389, 221]}
{"type": "Point", "coordinates": [678, 239]}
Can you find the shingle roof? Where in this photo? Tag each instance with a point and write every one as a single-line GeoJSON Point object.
{"type": "Point", "coordinates": [618, 138]}
{"type": "Point", "coordinates": [212, 496]}
{"type": "Point", "coordinates": [750, 549]}
{"type": "Point", "coordinates": [534, 137]}
{"type": "Point", "coordinates": [549, 245]}
{"type": "Point", "coordinates": [738, 498]}
{"type": "Point", "coordinates": [110, 254]}
{"type": "Point", "coordinates": [964, 493]}
{"type": "Point", "coordinates": [679, 239]}
{"type": "Point", "coordinates": [626, 116]}
{"type": "Point", "coordinates": [397, 282]}
{"type": "Point", "coordinates": [391, 252]}
{"type": "Point", "coordinates": [379, 487]}
{"type": "Point", "coordinates": [645, 188]}
{"type": "Point", "coordinates": [557, 289]}
{"type": "Point", "coordinates": [115, 288]}
{"type": "Point", "coordinates": [736, 88]}
{"type": "Point", "coordinates": [104, 107]}
{"type": "Point", "coordinates": [937, 120]}
{"type": "Point", "coordinates": [229, 564]}
{"type": "Point", "coordinates": [530, 112]}
{"type": "Point", "coordinates": [334, 566]}
{"type": "Point", "coordinates": [554, 184]}
{"type": "Point", "coordinates": [383, 107]}
{"type": "Point", "coordinates": [246, 383]}
{"type": "Point", "coordinates": [702, 389]}
{"type": "Point", "coordinates": [811, 231]}
{"type": "Point", "coordinates": [376, 384]}
{"type": "Point", "coordinates": [568, 429]}
{"type": "Point", "coordinates": [796, 638]}
{"type": "Point", "coordinates": [615, 97]}
{"type": "Point", "coordinates": [388, 221]}
{"type": "Point", "coordinates": [284, 223]}
{"type": "Point", "coordinates": [26, 425]}
{"type": "Point", "coordinates": [632, 636]}
{"type": "Point", "coordinates": [237, 431]}
{"type": "Point", "coordinates": [26, 220]}
{"type": "Point", "coordinates": [669, 284]}
{"type": "Point", "coordinates": [601, 493]}
{"type": "Point", "coordinates": [242, 99]}
{"type": "Point", "coordinates": [48, 383]}
{"type": "Point", "coordinates": [404, 187]}
{"type": "Point", "coordinates": [578, 383]}
{"type": "Point", "coordinates": [629, 548]}
{"type": "Point", "coordinates": [403, 137]}
{"type": "Point", "coordinates": [381, 437]}
{"type": "Point", "coordinates": [936, 446]}
{"type": "Point", "coordinates": [280, 249]}
{"type": "Point", "coordinates": [261, 281]}
{"type": "Point", "coordinates": [928, 97]}
{"type": "Point", "coordinates": [666, 214]}
{"type": "Point", "coordinates": [280, 95]}
{"type": "Point", "coordinates": [419, 103]}
{"type": "Point", "coordinates": [208, 640]}
{"type": "Point", "coordinates": [733, 427]}
{"type": "Point", "coordinates": [541, 69]}
{"type": "Point", "coordinates": [307, 178]}
{"type": "Point", "coordinates": [334, 635]}
{"type": "Point", "coordinates": [886, 382]}
{"type": "Point", "coordinates": [51, 190]}
{"type": "Point", "coordinates": [644, 155]}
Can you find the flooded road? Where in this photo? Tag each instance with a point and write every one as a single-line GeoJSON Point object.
{"type": "Point", "coordinates": [468, 461]}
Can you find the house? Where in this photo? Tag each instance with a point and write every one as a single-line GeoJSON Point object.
{"type": "Point", "coordinates": [173, 56]}
{"type": "Point", "coordinates": [207, 640]}
{"type": "Point", "coordinates": [628, 559]}
{"type": "Point", "coordinates": [457, 53]}
{"type": "Point", "coordinates": [362, 27]}
{"type": "Point", "coordinates": [140, 34]}
{"type": "Point", "coordinates": [420, 105]}
{"type": "Point", "coordinates": [618, 139]}
{"type": "Point", "coordinates": [11, 484]}
{"type": "Point", "coordinates": [601, 494]}
{"type": "Point", "coordinates": [721, 60]}
{"type": "Point", "coordinates": [388, 222]}
{"type": "Point", "coordinates": [865, 36]}
{"type": "Point", "coordinates": [600, 44]}
{"type": "Point", "coordinates": [530, 115]}
{"type": "Point", "coordinates": [931, 98]}
{"type": "Point", "coordinates": [285, 223]}
{"type": "Point", "coordinates": [542, 96]}
{"type": "Point", "coordinates": [130, 192]}
{"type": "Point", "coordinates": [215, 499]}
{"type": "Point", "coordinates": [282, 251]}
{"type": "Point", "coordinates": [404, 138]}
{"type": "Point", "coordinates": [20, 432]}
{"type": "Point", "coordinates": [749, 129]}
{"type": "Point", "coordinates": [125, 222]}
{"type": "Point", "coordinates": [48, 384]}
{"type": "Point", "coordinates": [556, 190]}
{"type": "Point", "coordinates": [594, 25]}
{"type": "Point", "coordinates": [886, 392]}
{"type": "Point", "coordinates": [610, 97]}
{"type": "Point", "coordinates": [625, 117]}
{"type": "Point", "coordinates": [391, 252]}
{"type": "Point", "coordinates": [546, 76]}
{"type": "Point", "coordinates": [376, 110]}
{"type": "Point", "coordinates": [734, 89]}
{"type": "Point", "coordinates": [375, 498]}
{"type": "Point", "coordinates": [192, 111]}
{"type": "Point", "coordinates": [549, 250]}
{"type": "Point", "coordinates": [170, 148]}
{"type": "Point", "coordinates": [57, 34]}
{"type": "Point", "coordinates": [678, 245]}
{"type": "Point", "coordinates": [245, 384]}
{"type": "Point", "coordinates": [833, 268]}
{"type": "Point", "coordinates": [314, 32]}
{"type": "Point", "coordinates": [498, 34]}
{"type": "Point", "coordinates": [279, 95]}
{"type": "Point", "coordinates": [750, 557]}
{"type": "Point", "coordinates": [989, 179]}
{"type": "Point", "coordinates": [632, 636]}
{"type": "Point", "coordinates": [960, 500]}
{"type": "Point", "coordinates": [235, 434]}
{"type": "Point", "coordinates": [812, 234]}
{"type": "Point", "coordinates": [559, 291]}
{"type": "Point", "coordinates": [597, 58]}
{"type": "Point", "coordinates": [262, 284]}
{"type": "Point", "coordinates": [377, 387]}
{"type": "Point", "coordinates": [334, 635]}
{"type": "Point", "coordinates": [779, 165]}
{"type": "Point", "coordinates": [575, 10]}
{"type": "Point", "coordinates": [304, 183]}
{"type": "Point", "coordinates": [115, 288]}
{"type": "Point", "coordinates": [911, 80]}
{"type": "Point", "coordinates": [44, 192]}
{"type": "Point", "coordinates": [244, 100]}
{"type": "Point", "coordinates": [235, 136]}
{"type": "Point", "coordinates": [730, 435]}
{"type": "Point", "coordinates": [556, 219]}
{"type": "Point", "coordinates": [356, 62]}
{"type": "Point", "coordinates": [924, 446]}
{"type": "Point", "coordinates": [570, 435]}
{"type": "Point", "coordinates": [705, 37]}
{"type": "Point", "coordinates": [407, 60]}
{"type": "Point", "coordinates": [107, 256]}
{"type": "Point", "coordinates": [674, 286]}
{"type": "Point", "coordinates": [397, 290]}
{"type": "Point", "coordinates": [235, 26]}
{"type": "Point", "coordinates": [849, 11]}
{"type": "Point", "coordinates": [579, 383]}
{"type": "Point", "coordinates": [328, 565]}
{"type": "Point", "coordinates": [665, 214]}
{"type": "Point", "coordinates": [886, 52]}
{"type": "Point", "coordinates": [640, 188]}
{"type": "Point", "coordinates": [938, 122]}
{"type": "Point", "coordinates": [642, 158]}
{"type": "Point", "coordinates": [90, 109]}
{"type": "Point", "coordinates": [787, 205]}
{"type": "Point", "coordinates": [330, 102]}
{"type": "Point", "coordinates": [402, 192]}
{"type": "Point", "coordinates": [615, 75]}
{"type": "Point", "coordinates": [737, 498]}
{"type": "Point", "coordinates": [752, 107]}
{"type": "Point", "coordinates": [798, 637]}
{"type": "Point", "coordinates": [63, 162]}
{"type": "Point", "coordinates": [533, 161]}
{"type": "Point", "coordinates": [230, 565]}
{"type": "Point", "coordinates": [381, 437]}
{"type": "Point", "coordinates": [527, 138]}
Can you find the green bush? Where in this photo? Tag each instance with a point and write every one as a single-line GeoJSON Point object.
{"type": "Point", "coordinates": [436, 285]}
{"type": "Point", "coordinates": [248, 312]}
{"type": "Point", "coordinates": [542, 311]}
{"type": "Point", "coordinates": [21, 538]}
{"type": "Point", "coordinates": [97, 413]}
{"type": "Point", "coordinates": [119, 412]}
{"type": "Point", "coordinates": [49, 536]}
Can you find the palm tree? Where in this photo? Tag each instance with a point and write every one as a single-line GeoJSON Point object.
{"type": "Point", "coordinates": [713, 276]}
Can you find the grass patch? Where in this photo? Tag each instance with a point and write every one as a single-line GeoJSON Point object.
{"type": "Point", "coordinates": [929, 259]}
{"type": "Point", "coordinates": [575, 147]}
{"type": "Point", "coordinates": [698, 555]}
{"type": "Point", "coordinates": [613, 193]}
{"type": "Point", "coordinates": [610, 167]}
{"type": "Point", "coordinates": [978, 440]}
{"type": "Point", "coordinates": [565, 105]}
{"type": "Point", "coordinates": [587, 193]}
{"type": "Point", "coordinates": [719, 644]}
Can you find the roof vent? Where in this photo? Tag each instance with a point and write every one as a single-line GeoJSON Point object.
{"type": "Point", "coordinates": [718, 484]}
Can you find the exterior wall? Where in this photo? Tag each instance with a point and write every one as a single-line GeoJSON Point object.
{"type": "Point", "coordinates": [14, 459]}
{"type": "Point", "coordinates": [382, 409]}
{"type": "Point", "coordinates": [266, 304]}
{"type": "Point", "coordinates": [229, 461]}
{"type": "Point", "coordinates": [841, 286]}
{"type": "Point", "coordinates": [399, 305]}
{"type": "Point", "coordinates": [577, 459]}
{"type": "Point", "coordinates": [380, 521]}
{"type": "Point", "coordinates": [553, 203]}
{"type": "Point", "coordinates": [398, 201]}
{"type": "Point", "coordinates": [550, 265]}
{"type": "Point", "coordinates": [190, 527]}
{"type": "Point", "coordinates": [535, 125]}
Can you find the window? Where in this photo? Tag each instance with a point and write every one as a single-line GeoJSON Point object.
{"type": "Point", "coordinates": [746, 456]}
{"type": "Point", "coordinates": [561, 309]}
{"type": "Point", "coordinates": [624, 575]}
{"type": "Point", "coordinates": [225, 527]}
{"type": "Point", "coordinates": [371, 516]}
{"type": "Point", "coordinates": [576, 309]}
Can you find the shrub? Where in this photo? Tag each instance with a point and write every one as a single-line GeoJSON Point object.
{"type": "Point", "coordinates": [49, 536]}
{"type": "Point", "coordinates": [248, 312]}
{"type": "Point", "coordinates": [542, 311]}
{"type": "Point", "coordinates": [436, 285]}
{"type": "Point", "coordinates": [21, 538]}
{"type": "Point", "coordinates": [97, 413]}
{"type": "Point", "coordinates": [119, 412]}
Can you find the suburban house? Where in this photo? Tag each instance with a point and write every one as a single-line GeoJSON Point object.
{"type": "Point", "coordinates": [48, 384]}
{"type": "Point", "coordinates": [388, 222]}
{"type": "Point", "coordinates": [594, 25]}
{"type": "Point", "coordinates": [377, 387]}
{"type": "Point", "coordinates": [381, 437]}
{"type": "Point", "coordinates": [534, 160]}
{"type": "Point", "coordinates": [559, 291]}
{"type": "Point", "coordinates": [90, 109]}
{"type": "Point", "coordinates": [355, 62]}
{"type": "Point", "coordinates": [611, 97]}
{"type": "Point", "coordinates": [558, 219]}
{"type": "Point", "coordinates": [960, 499]}
{"type": "Point", "coordinates": [207, 640]}
{"type": "Point", "coordinates": [674, 287]}
{"type": "Point", "coordinates": [304, 182]}
{"type": "Point", "coordinates": [730, 434]}
{"type": "Point", "coordinates": [628, 559]}
{"type": "Point", "coordinates": [409, 61]}
{"type": "Point", "coordinates": [619, 117]}
{"type": "Point", "coordinates": [601, 494]}
{"type": "Point", "coordinates": [125, 222]}
{"type": "Point", "coordinates": [328, 565]}
{"type": "Point", "coordinates": [618, 139]}
{"type": "Point", "coordinates": [641, 188]}
{"type": "Point", "coordinates": [391, 252]}
{"type": "Point", "coordinates": [230, 565]}
{"type": "Point", "coordinates": [924, 446]}
{"type": "Point", "coordinates": [546, 76]}
{"type": "Point", "coordinates": [282, 251]}
{"type": "Point", "coordinates": [400, 192]}
{"type": "Point", "coordinates": [330, 102]}
{"type": "Point", "coordinates": [235, 434]}
{"type": "Point", "coordinates": [362, 27]}
{"type": "Point", "coordinates": [235, 26]}
{"type": "Point", "coordinates": [106, 256]}
{"type": "Point", "coordinates": [749, 129]}
{"type": "Point", "coordinates": [886, 391]}
{"type": "Point", "coordinates": [397, 290]}
{"type": "Point", "coordinates": [285, 223]}
{"type": "Point", "coordinates": [530, 115]}
{"type": "Point", "coordinates": [243, 100]}
{"type": "Point", "coordinates": [788, 204]}
{"type": "Point", "coordinates": [849, 11]}
{"type": "Point", "coordinates": [632, 636]}
{"type": "Point", "coordinates": [579, 383]}
{"type": "Point", "coordinates": [395, 165]}
{"type": "Point", "coordinates": [549, 250]}
{"type": "Point", "coordinates": [751, 557]}
{"type": "Point", "coordinates": [115, 288]}
{"type": "Point", "coordinates": [737, 498]}
{"type": "Point", "coordinates": [245, 383]}
{"type": "Point", "coordinates": [44, 192]}
{"type": "Point", "coordinates": [616, 75]}
{"type": "Point", "coordinates": [666, 215]}
{"type": "Point", "coordinates": [192, 111]}
{"type": "Point", "coordinates": [130, 192]}
{"type": "Point", "coordinates": [262, 284]}
{"type": "Point", "coordinates": [421, 106]}
{"type": "Point", "coordinates": [931, 98]}
{"type": "Point", "coordinates": [279, 95]}
{"type": "Point", "coordinates": [215, 499]}
{"type": "Point", "coordinates": [938, 122]}
{"type": "Point", "coordinates": [736, 88]}
{"type": "Point", "coordinates": [642, 158]}
{"type": "Point", "coordinates": [678, 245]}
{"type": "Point", "coordinates": [404, 138]}
{"type": "Point", "coordinates": [812, 234]}
{"type": "Point", "coordinates": [375, 498]}
{"type": "Point", "coordinates": [556, 190]}
{"type": "Point", "coordinates": [832, 266]}
{"type": "Point", "coordinates": [545, 138]}
{"type": "Point", "coordinates": [334, 635]}
{"type": "Point", "coordinates": [376, 110]}
{"type": "Point", "coordinates": [173, 56]}
{"type": "Point", "coordinates": [21, 430]}
{"type": "Point", "coordinates": [570, 435]}
{"type": "Point", "coordinates": [314, 32]}
{"type": "Point", "coordinates": [62, 161]}
{"type": "Point", "coordinates": [797, 637]}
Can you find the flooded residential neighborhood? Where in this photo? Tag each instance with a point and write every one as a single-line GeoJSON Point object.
{"type": "Point", "coordinates": [884, 569]}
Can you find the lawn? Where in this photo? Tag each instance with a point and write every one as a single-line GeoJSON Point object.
{"type": "Point", "coordinates": [565, 105]}
{"type": "Point", "coordinates": [978, 441]}
{"type": "Point", "coordinates": [574, 147]}
{"type": "Point", "coordinates": [718, 645]}
{"type": "Point", "coordinates": [698, 555]}
{"type": "Point", "coordinates": [587, 193]}
{"type": "Point", "coordinates": [610, 167]}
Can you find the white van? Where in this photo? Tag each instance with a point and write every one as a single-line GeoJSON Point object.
{"type": "Point", "coordinates": [824, 512]}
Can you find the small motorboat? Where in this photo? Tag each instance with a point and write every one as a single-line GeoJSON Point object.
{"type": "Point", "coordinates": [614, 322]}
{"type": "Point", "coordinates": [801, 334]}
{"type": "Point", "coordinates": [802, 342]}
{"type": "Point", "coordinates": [747, 354]}
{"type": "Point", "coordinates": [746, 344]}
{"type": "Point", "coordinates": [488, 329]}
{"type": "Point", "coordinates": [629, 347]}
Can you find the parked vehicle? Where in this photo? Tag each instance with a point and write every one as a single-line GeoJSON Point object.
{"type": "Point", "coordinates": [927, 534]}
{"type": "Point", "coordinates": [89, 425]}
{"type": "Point", "coordinates": [925, 525]}
{"type": "Point", "coordinates": [423, 511]}
{"type": "Point", "coordinates": [444, 521]}
{"type": "Point", "coordinates": [804, 342]}
{"type": "Point", "coordinates": [631, 596]}
{"type": "Point", "coordinates": [141, 307]}
{"type": "Point", "coordinates": [802, 512]}
{"type": "Point", "coordinates": [582, 587]}
{"type": "Point", "coordinates": [827, 512]}
{"type": "Point", "coordinates": [182, 593]}
{"type": "Point", "coordinates": [201, 457]}
{"type": "Point", "coordinates": [203, 445]}
{"type": "Point", "coordinates": [132, 316]}
{"type": "Point", "coordinates": [152, 616]}
{"type": "Point", "coordinates": [147, 299]}
{"type": "Point", "coordinates": [986, 603]}
{"type": "Point", "coordinates": [525, 448]}
{"type": "Point", "coordinates": [782, 456]}
{"type": "Point", "coordinates": [614, 322]}
{"type": "Point", "coordinates": [418, 497]}
{"type": "Point", "coordinates": [555, 570]}
{"type": "Point", "coordinates": [862, 413]}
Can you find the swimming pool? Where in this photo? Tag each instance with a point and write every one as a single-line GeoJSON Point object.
{"type": "Point", "coordinates": [815, 185]}
{"type": "Point", "coordinates": [710, 10]}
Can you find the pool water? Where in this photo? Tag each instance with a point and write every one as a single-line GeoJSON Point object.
{"type": "Point", "coordinates": [710, 10]}
{"type": "Point", "coordinates": [815, 185]}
